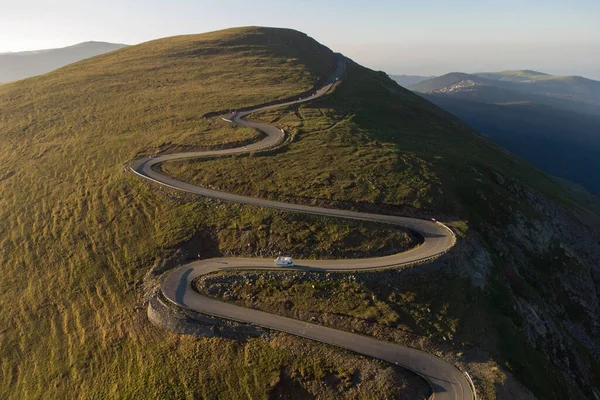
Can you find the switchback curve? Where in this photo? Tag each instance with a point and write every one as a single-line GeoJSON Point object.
{"type": "Point", "coordinates": [446, 381]}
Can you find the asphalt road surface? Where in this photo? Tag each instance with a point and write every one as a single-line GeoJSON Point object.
{"type": "Point", "coordinates": [446, 381]}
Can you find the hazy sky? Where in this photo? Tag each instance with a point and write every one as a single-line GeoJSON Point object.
{"type": "Point", "coordinates": [412, 37]}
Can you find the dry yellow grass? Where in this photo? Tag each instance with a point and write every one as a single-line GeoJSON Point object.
{"type": "Point", "coordinates": [78, 231]}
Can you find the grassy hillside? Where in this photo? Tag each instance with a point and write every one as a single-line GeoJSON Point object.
{"type": "Point", "coordinates": [374, 146]}
{"type": "Point", "coordinates": [78, 231]}
{"type": "Point", "coordinates": [359, 145]}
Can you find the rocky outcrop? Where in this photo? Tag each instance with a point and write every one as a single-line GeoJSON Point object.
{"type": "Point", "coordinates": [551, 257]}
{"type": "Point", "coordinates": [177, 320]}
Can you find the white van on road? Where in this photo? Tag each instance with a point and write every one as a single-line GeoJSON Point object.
{"type": "Point", "coordinates": [284, 261]}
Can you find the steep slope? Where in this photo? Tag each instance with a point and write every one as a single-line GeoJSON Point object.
{"type": "Point", "coordinates": [21, 65]}
{"type": "Point", "coordinates": [79, 231]}
{"type": "Point", "coordinates": [519, 285]}
{"type": "Point", "coordinates": [562, 143]}
{"type": "Point", "coordinates": [552, 130]}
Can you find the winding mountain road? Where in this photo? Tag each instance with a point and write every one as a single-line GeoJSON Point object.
{"type": "Point", "coordinates": [446, 381]}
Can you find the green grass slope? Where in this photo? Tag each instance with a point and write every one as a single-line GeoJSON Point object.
{"type": "Point", "coordinates": [370, 142]}
{"type": "Point", "coordinates": [79, 232]}
{"type": "Point", "coordinates": [374, 146]}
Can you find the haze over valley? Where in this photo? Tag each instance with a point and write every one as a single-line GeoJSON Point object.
{"type": "Point", "coordinates": [552, 121]}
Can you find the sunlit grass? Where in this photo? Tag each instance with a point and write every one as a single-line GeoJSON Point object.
{"type": "Point", "coordinates": [78, 231]}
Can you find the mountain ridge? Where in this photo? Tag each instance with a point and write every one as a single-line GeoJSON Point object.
{"type": "Point", "coordinates": [569, 92]}
{"type": "Point", "coordinates": [25, 64]}
{"type": "Point", "coordinates": [80, 44]}
{"type": "Point", "coordinates": [556, 129]}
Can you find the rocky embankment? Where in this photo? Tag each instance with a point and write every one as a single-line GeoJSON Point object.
{"type": "Point", "coordinates": [550, 257]}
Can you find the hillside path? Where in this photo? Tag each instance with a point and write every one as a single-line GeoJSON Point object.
{"type": "Point", "coordinates": [445, 380]}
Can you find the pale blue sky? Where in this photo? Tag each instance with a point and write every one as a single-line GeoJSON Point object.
{"type": "Point", "coordinates": [413, 37]}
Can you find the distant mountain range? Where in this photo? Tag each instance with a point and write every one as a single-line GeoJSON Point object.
{"type": "Point", "coordinates": [21, 65]}
{"type": "Point", "coordinates": [552, 121]}
{"type": "Point", "coordinates": [407, 80]}
{"type": "Point", "coordinates": [573, 93]}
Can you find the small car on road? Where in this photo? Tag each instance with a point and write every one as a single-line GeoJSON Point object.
{"type": "Point", "coordinates": [284, 261]}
